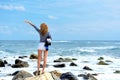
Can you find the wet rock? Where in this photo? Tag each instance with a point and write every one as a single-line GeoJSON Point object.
{"type": "Point", "coordinates": [101, 58]}
{"type": "Point", "coordinates": [59, 60]}
{"type": "Point", "coordinates": [22, 57]}
{"type": "Point", "coordinates": [15, 73]}
{"type": "Point", "coordinates": [33, 56]}
{"type": "Point", "coordinates": [85, 61]}
{"type": "Point", "coordinates": [20, 64]}
{"type": "Point", "coordinates": [87, 76]}
{"type": "Point", "coordinates": [117, 71]}
{"type": "Point", "coordinates": [102, 63]}
{"type": "Point", "coordinates": [67, 60]}
{"type": "Point", "coordinates": [21, 75]}
{"type": "Point", "coordinates": [63, 60]}
{"type": "Point", "coordinates": [73, 64]}
{"type": "Point", "coordinates": [5, 62]}
{"type": "Point", "coordinates": [2, 64]}
{"type": "Point", "coordinates": [59, 65]}
{"type": "Point", "coordinates": [8, 64]}
{"type": "Point", "coordinates": [74, 59]}
{"type": "Point", "coordinates": [18, 61]}
{"type": "Point", "coordinates": [87, 68]}
{"type": "Point", "coordinates": [68, 76]}
{"type": "Point", "coordinates": [108, 61]}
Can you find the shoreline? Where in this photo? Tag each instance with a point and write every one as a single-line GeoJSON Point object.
{"type": "Point", "coordinates": [104, 71]}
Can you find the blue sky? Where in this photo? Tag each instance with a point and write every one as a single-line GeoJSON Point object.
{"type": "Point", "coordinates": [67, 19]}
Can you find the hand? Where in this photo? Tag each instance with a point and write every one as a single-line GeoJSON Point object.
{"type": "Point", "coordinates": [27, 21]}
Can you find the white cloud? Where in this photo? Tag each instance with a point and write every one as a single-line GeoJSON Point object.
{"type": "Point", "coordinates": [8, 30]}
{"type": "Point", "coordinates": [52, 17]}
{"type": "Point", "coordinates": [5, 30]}
{"type": "Point", "coordinates": [11, 7]}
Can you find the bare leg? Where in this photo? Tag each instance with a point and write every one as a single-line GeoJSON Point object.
{"type": "Point", "coordinates": [45, 60]}
{"type": "Point", "coordinates": [39, 58]}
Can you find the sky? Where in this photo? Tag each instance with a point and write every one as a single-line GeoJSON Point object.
{"type": "Point", "coordinates": [66, 19]}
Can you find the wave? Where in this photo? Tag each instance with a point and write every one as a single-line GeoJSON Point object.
{"type": "Point", "coordinates": [101, 48]}
{"type": "Point", "coordinates": [60, 41]}
{"type": "Point", "coordinates": [94, 49]}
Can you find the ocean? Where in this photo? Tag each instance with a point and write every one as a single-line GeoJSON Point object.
{"type": "Point", "coordinates": [82, 50]}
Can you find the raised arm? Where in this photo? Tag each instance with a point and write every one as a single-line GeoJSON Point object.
{"type": "Point", "coordinates": [26, 21]}
{"type": "Point", "coordinates": [30, 23]}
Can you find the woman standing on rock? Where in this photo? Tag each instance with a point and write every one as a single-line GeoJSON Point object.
{"type": "Point", "coordinates": [45, 41]}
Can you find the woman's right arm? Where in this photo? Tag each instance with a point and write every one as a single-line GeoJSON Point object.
{"type": "Point", "coordinates": [26, 21]}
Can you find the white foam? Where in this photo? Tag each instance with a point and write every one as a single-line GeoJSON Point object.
{"type": "Point", "coordinates": [105, 71]}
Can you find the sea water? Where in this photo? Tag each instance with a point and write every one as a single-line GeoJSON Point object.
{"type": "Point", "coordinates": [87, 50]}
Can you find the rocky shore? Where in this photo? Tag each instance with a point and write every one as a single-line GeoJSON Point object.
{"type": "Point", "coordinates": [59, 63]}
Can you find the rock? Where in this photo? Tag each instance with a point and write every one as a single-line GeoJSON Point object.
{"type": "Point", "coordinates": [59, 65]}
{"type": "Point", "coordinates": [33, 56]}
{"type": "Point", "coordinates": [36, 73]}
{"type": "Point", "coordinates": [5, 62]}
{"type": "Point", "coordinates": [21, 75]}
{"type": "Point", "coordinates": [108, 61]}
{"type": "Point", "coordinates": [67, 60]}
{"type": "Point", "coordinates": [91, 77]}
{"type": "Point", "coordinates": [20, 64]}
{"type": "Point", "coordinates": [15, 73]}
{"type": "Point", "coordinates": [73, 64]}
{"type": "Point", "coordinates": [57, 73]}
{"type": "Point", "coordinates": [101, 58]}
{"type": "Point", "coordinates": [68, 76]}
{"type": "Point", "coordinates": [74, 59]}
{"type": "Point", "coordinates": [18, 61]}
{"type": "Point", "coordinates": [22, 57]}
{"type": "Point", "coordinates": [87, 68]}
{"type": "Point", "coordinates": [8, 64]}
{"type": "Point", "coordinates": [55, 77]}
{"type": "Point", "coordinates": [102, 63]}
{"type": "Point", "coordinates": [81, 75]}
{"type": "Point", "coordinates": [45, 76]}
{"type": "Point", "coordinates": [85, 61]}
{"type": "Point", "coordinates": [117, 71]}
{"type": "Point", "coordinates": [87, 76]}
{"type": "Point", "coordinates": [63, 60]}
{"type": "Point", "coordinates": [59, 60]}
{"type": "Point", "coordinates": [2, 64]}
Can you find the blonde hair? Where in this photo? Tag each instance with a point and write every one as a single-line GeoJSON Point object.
{"type": "Point", "coordinates": [43, 29]}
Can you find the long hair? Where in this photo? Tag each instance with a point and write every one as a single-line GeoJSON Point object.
{"type": "Point", "coordinates": [43, 29]}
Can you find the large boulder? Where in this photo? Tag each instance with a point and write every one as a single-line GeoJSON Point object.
{"type": "Point", "coordinates": [2, 64]}
{"type": "Point", "coordinates": [21, 75]}
{"type": "Point", "coordinates": [20, 64]}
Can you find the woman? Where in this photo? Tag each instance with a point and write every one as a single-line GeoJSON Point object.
{"type": "Point", "coordinates": [45, 41]}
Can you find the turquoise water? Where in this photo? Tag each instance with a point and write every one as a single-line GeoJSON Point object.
{"type": "Point", "coordinates": [64, 48]}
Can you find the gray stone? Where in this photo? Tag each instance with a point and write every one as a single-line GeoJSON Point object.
{"type": "Point", "coordinates": [21, 75]}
